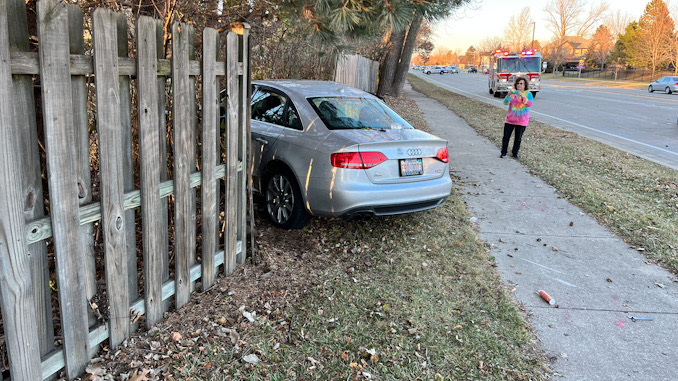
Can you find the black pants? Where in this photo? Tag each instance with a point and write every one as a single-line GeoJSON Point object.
{"type": "Point", "coordinates": [508, 130]}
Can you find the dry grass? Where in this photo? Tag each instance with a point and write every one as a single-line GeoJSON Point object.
{"type": "Point", "coordinates": [633, 197]}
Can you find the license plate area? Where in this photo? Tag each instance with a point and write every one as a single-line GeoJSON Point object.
{"type": "Point", "coordinates": [411, 167]}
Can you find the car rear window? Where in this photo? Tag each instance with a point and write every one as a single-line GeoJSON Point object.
{"type": "Point", "coordinates": [342, 113]}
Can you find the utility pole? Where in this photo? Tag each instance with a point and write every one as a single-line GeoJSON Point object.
{"type": "Point", "coordinates": [534, 25]}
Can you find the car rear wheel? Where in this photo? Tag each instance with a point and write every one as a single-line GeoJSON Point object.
{"type": "Point", "coordinates": [649, 89]}
{"type": "Point", "coordinates": [442, 72]}
{"type": "Point", "coordinates": [284, 204]}
{"type": "Point", "coordinates": [667, 90]}
{"type": "Point", "coordinates": [428, 72]}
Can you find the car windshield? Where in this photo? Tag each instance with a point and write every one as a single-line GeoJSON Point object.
{"type": "Point", "coordinates": [342, 113]}
{"type": "Point", "coordinates": [523, 65]}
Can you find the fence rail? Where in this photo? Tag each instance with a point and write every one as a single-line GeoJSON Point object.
{"type": "Point", "coordinates": [57, 141]}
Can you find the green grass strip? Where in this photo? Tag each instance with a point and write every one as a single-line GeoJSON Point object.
{"type": "Point", "coordinates": [633, 197]}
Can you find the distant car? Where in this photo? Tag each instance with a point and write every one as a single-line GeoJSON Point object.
{"type": "Point", "coordinates": [453, 69]}
{"type": "Point", "coordinates": [435, 70]}
{"type": "Point", "coordinates": [472, 70]}
{"type": "Point", "coordinates": [665, 84]}
{"type": "Point", "coordinates": [486, 71]}
{"type": "Point", "coordinates": [327, 149]}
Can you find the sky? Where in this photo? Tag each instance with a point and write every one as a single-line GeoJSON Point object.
{"type": "Point", "coordinates": [488, 18]}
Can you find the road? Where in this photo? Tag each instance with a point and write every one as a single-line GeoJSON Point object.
{"type": "Point", "coordinates": [629, 119]}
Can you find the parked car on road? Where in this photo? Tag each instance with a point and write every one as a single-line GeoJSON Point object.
{"type": "Point", "coordinates": [666, 84]}
{"type": "Point", "coordinates": [435, 70]}
{"type": "Point", "coordinates": [472, 70]}
{"type": "Point", "coordinates": [453, 69]}
{"type": "Point", "coordinates": [327, 149]}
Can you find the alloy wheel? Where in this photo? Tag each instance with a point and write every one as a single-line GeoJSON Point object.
{"type": "Point", "coordinates": [279, 199]}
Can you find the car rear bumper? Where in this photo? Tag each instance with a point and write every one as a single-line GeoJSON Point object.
{"type": "Point", "coordinates": [348, 199]}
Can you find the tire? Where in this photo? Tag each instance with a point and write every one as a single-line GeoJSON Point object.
{"type": "Point", "coordinates": [428, 73]}
{"type": "Point", "coordinates": [284, 204]}
{"type": "Point", "coordinates": [491, 91]}
{"type": "Point", "coordinates": [534, 94]}
{"type": "Point", "coordinates": [442, 72]}
{"type": "Point", "coordinates": [497, 94]}
{"type": "Point", "coordinates": [649, 89]}
{"type": "Point", "coordinates": [667, 90]}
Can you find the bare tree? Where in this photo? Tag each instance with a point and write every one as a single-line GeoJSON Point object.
{"type": "Point", "coordinates": [517, 34]}
{"type": "Point", "coordinates": [569, 18]}
{"type": "Point", "coordinates": [674, 42]}
{"type": "Point", "coordinates": [617, 22]}
{"type": "Point", "coordinates": [489, 44]}
{"type": "Point", "coordinates": [652, 47]}
{"type": "Point", "coordinates": [600, 46]}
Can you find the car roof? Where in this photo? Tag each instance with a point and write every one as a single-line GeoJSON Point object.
{"type": "Point", "coordinates": [310, 88]}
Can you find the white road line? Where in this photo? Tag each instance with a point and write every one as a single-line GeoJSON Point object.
{"type": "Point", "coordinates": [546, 267]}
{"type": "Point", "coordinates": [559, 119]}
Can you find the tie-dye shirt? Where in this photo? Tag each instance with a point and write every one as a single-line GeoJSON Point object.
{"type": "Point", "coordinates": [518, 112]}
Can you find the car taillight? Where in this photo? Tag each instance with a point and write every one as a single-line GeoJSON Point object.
{"type": "Point", "coordinates": [357, 160]}
{"type": "Point", "coordinates": [443, 155]}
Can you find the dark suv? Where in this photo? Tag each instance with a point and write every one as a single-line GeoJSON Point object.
{"type": "Point", "coordinates": [472, 70]}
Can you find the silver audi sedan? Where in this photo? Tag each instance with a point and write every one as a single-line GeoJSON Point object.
{"type": "Point", "coordinates": [327, 149]}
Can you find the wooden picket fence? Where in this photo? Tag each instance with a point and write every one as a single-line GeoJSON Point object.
{"type": "Point", "coordinates": [63, 72]}
{"type": "Point", "coordinates": [357, 71]}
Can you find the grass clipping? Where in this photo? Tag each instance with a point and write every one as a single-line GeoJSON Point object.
{"type": "Point", "coordinates": [633, 197]}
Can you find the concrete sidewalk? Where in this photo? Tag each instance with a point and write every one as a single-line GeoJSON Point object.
{"type": "Point", "coordinates": [542, 242]}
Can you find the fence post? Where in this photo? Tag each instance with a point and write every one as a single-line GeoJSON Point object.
{"type": "Point", "coordinates": [59, 131]}
{"type": "Point", "coordinates": [210, 127]}
{"type": "Point", "coordinates": [109, 127]}
{"type": "Point", "coordinates": [16, 292]}
{"type": "Point", "coordinates": [149, 147]}
{"type": "Point", "coordinates": [243, 139]}
{"type": "Point", "coordinates": [232, 111]}
{"type": "Point", "coordinates": [81, 142]}
{"type": "Point", "coordinates": [183, 96]}
{"type": "Point", "coordinates": [30, 172]}
{"type": "Point", "coordinates": [127, 162]}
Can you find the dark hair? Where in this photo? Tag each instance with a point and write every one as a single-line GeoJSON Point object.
{"type": "Point", "coordinates": [527, 84]}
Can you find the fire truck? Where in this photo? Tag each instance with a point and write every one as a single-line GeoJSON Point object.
{"type": "Point", "coordinates": [506, 66]}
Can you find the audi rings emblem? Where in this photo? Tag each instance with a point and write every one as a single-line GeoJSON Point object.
{"type": "Point", "coordinates": [414, 152]}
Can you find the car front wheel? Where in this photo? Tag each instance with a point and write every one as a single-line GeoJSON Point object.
{"type": "Point", "coordinates": [284, 203]}
{"type": "Point", "coordinates": [649, 89]}
{"type": "Point", "coordinates": [667, 90]}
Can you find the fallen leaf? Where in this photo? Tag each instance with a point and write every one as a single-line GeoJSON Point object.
{"type": "Point", "coordinates": [176, 336]}
{"type": "Point", "coordinates": [344, 355]}
{"type": "Point", "coordinates": [251, 359]}
{"type": "Point", "coordinates": [554, 248]}
{"type": "Point", "coordinates": [222, 320]}
{"type": "Point", "coordinates": [140, 376]}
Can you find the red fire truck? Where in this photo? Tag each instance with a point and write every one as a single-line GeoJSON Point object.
{"type": "Point", "coordinates": [505, 66]}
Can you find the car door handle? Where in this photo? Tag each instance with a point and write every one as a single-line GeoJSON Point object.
{"type": "Point", "coordinates": [262, 141]}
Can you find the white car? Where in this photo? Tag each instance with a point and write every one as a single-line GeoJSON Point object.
{"type": "Point", "coordinates": [453, 69]}
{"type": "Point", "coordinates": [435, 70]}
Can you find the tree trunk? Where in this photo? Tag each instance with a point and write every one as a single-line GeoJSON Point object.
{"type": "Point", "coordinates": [388, 69]}
{"type": "Point", "coordinates": [405, 57]}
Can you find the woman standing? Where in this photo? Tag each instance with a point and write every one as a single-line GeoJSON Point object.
{"type": "Point", "coordinates": [518, 116]}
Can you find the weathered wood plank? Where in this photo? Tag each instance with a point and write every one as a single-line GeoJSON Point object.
{"type": "Point", "coordinates": [16, 294]}
{"type": "Point", "coordinates": [162, 117]}
{"type": "Point", "coordinates": [243, 135]}
{"type": "Point", "coordinates": [210, 125]}
{"type": "Point", "coordinates": [127, 163]}
{"type": "Point", "coordinates": [30, 172]}
{"type": "Point", "coordinates": [111, 172]}
{"type": "Point", "coordinates": [183, 96]}
{"type": "Point", "coordinates": [81, 142]}
{"type": "Point", "coordinates": [192, 155]}
{"type": "Point", "coordinates": [42, 228]}
{"type": "Point", "coordinates": [149, 146]}
{"type": "Point", "coordinates": [59, 131]}
{"type": "Point", "coordinates": [232, 110]}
